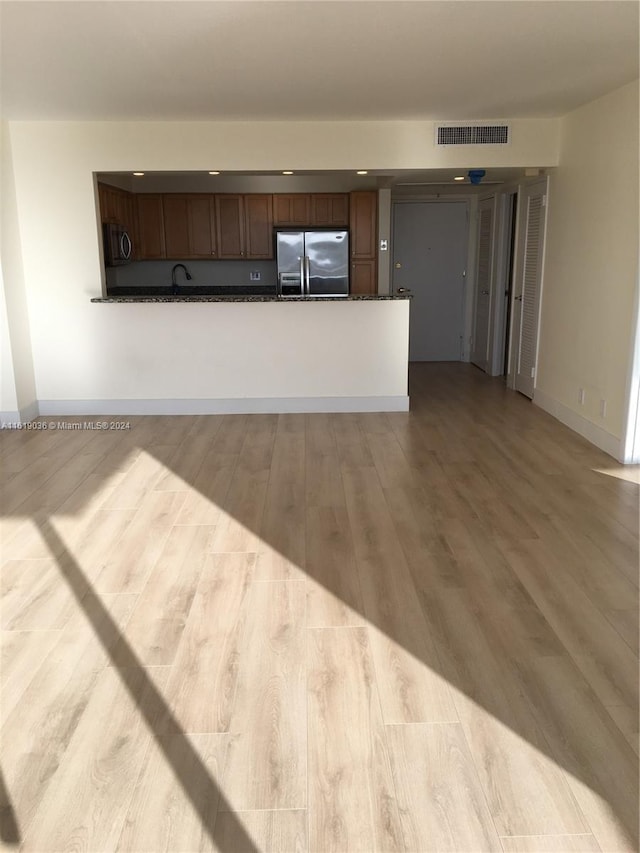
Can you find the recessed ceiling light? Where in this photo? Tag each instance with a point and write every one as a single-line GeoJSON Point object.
{"type": "Point", "coordinates": [459, 178]}
{"type": "Point", "coordinates": [362, 172]}
{"type": "Point", "coordinates": [138, 174]}
{"type": "Point", "coordinates": [214, 173]}
{"type": "Point", "coordinates": [287, 173]}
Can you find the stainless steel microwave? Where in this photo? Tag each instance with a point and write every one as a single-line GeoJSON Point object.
{"type": "Point", "coordinates": [118, 248]}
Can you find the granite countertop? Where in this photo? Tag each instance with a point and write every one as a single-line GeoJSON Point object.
{"type": "Point", "coordinates": [247, 298]}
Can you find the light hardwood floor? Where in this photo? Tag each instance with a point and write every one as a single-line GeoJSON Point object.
{"type": "Point", "coordinates": [377, 632]}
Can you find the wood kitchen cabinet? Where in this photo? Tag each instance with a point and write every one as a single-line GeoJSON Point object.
{"type": "Point", "coordinates": [244, 226]}
{"type": "Point", "coordinates": [292, 209]}
{"type": "Point", "coordinates": [151, 238]}
{"type": "Point", "coordinates": [176, 226]}
{"type": "Point", "coordinates": [363, 227]}
{"type": "Point", "coordinates": [363, 224]}
{"type": "Point", "coordinates": [116, 206]}
{"type": "Point", "coordinates": [109, 203]}
{"type": "Point", "coordinates": [330, 209]}
{"type": "Point", "coordinates": [119, 207]}
{"type": "Point", "coordinates": [364, 279]}
{"type": "Point", "coordinates": [230, 225]}
{"type": "Point", "coordinates": [189, 226]}
{"type": "Point", "coordinates": [258, 215]}
{"type": "Point", "coordinates": [201, 214]}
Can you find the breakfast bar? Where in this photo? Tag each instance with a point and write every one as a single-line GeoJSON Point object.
{"type": "Point", "coordinates": [247, 354]}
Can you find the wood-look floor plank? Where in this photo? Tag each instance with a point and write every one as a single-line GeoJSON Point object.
{"type": "Point", "coordinates": [334, 596]}
{"type": "Point", "coordinates": [352, 449]}
{"type": "Point", "coordinates": [37, 732]}
{"type": "Point", "coordinates": [206, 496]}
{"type": "Point", "coordinates": [21, 655]}
{"type": "Point", "coordinates": [184, 464]}
{"type": "Point", "coordinates": [238, 524]}
{"type": "Point", "coordinates": [266, 760]}
{"type": "Point", "coordinates": [441, 802]}
{"type": "Point", "coordinates": [202, 687]}
{"type": "Point", "coordinates": [408, 671]}
{"type": "Point", "coordinates": [86, 807]}
{"type": "Point", "coordinates": [609, 665]}
{"type": "Point", "coordinates": [625, 621]}
{"type": "Point", "coordinates": [352, 801]}
{"type": "Point", "coordinates": [92, 540]}
{"type": "Point", "coordinates": [128, 566]}
{"type": "Point", "coordinates": [161, 816]}
{"type": "Point", "coordinates": [138, 481]}
{"type": "Point", "coordinates": [34, 595]}
{"type": "Point", "coordinates": [527, 791]}
{"type": "Point", "coordinates": [551, 844]}
{"type": "Point", "coordinates": [626, 719]}
{"type": "Point", "coordinates": [282, 525]}
{"type": "Point", "coordinates": [602, 771]}
{"type": "Point", "coordinates": [280, 831]}
{"type": "Point", "coordinates": [323, 483]}
{"type": "Point", "coordinates": [158, 620]}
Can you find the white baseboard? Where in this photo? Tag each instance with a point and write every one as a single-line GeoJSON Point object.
{"type": "Point", "coordinates": [240, 406]}
{"type": "Point", "coordinates": [611, 444]}
{"type": "Point", "coordinates": [24, 416]}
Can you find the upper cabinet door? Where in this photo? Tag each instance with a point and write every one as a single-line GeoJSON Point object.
{"type": "Point", "coordinates": [331, 209]}
{"type": "Point", "coordinates": [230, 226]}
{"type": "Point", "coordinates": [292, 209]}
{"type": "Point", "coordinates": [110, 203]}
{"type": "Point", "coordinates": [202, 226]}
{"type": "Point", "coordinates": [176, 230]}
{"type": "Point", "coordinates": [258, 212]}
{"type": "Point", "coordinates": [363, 224]}
{"type": "Point", "coordinates": [150, 227]}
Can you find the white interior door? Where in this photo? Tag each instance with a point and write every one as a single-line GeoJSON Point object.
{"type": "Point", "coordinates": [484, 283]}
{"type": "Point", "coordinates": [529, 287]}
{"type": "Point", "coordinates": [429, 257]}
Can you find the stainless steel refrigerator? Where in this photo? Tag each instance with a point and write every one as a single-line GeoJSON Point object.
{"type": "Point", "coordinates": [312, 263]}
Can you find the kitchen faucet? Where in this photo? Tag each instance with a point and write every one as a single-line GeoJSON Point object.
{"type": "Point", "coordinates": [174, 284]}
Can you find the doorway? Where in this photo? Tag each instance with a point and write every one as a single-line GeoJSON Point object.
{"type": "Point", "coordinates": [430, 241]}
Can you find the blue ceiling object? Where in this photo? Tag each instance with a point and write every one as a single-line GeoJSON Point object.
{"type": "Point", "coordinates": [476, 175]}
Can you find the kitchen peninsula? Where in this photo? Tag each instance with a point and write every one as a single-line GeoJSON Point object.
{"type": "Point", "coordinates": [249, 354]}
{"type": "Point", "coordinates": [189, 321]}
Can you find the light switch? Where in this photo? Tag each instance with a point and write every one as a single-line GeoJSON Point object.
{"type": "Point", "coordinates": [384, 245]}
{"type": "Point", "coordinates": [254, 276]}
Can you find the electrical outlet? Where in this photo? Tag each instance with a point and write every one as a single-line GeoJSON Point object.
{"type": "Point", "coordinates": [254, 276]}
{"type": "Point", "coordinates": [603, 408]}
{"type": "Point", "coordinates": [581, 396]}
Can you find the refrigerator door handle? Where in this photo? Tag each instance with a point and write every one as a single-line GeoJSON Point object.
{"type": "Point", "coordinates": [302, 285]}
{"type": "Point", "coordinates": [307, 274]}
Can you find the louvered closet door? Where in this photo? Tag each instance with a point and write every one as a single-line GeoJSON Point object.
{"type": "Point", "coordinates": [527, 298]}
{"type": "Point", "coordinates": [484, 277]}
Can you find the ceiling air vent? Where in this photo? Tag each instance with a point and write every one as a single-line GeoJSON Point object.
{"type": "Point", "coordinates": [480, 133]}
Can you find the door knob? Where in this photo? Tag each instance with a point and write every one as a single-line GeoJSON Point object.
{"type": "Point", "coordinates": [518, 299]}
{"type": "Point", "coordinates": [404, 290]}
{"type": "Point", "coordinates": [398, 265]}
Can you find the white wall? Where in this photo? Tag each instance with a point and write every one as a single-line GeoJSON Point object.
{"type": "Point", "coordinates": [233, 356]}
{"type": "Point", "coordinates": [18, 391]}
{"type": "Point", "coordinates": [8, 396]}
{"type": "Point", "coordinates": [76, 344]}
{"type": "Point", "coordinates": [591, 268]}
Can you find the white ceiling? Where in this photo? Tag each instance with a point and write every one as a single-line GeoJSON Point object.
{"type": "Point", "coordinates": [445, 59]}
